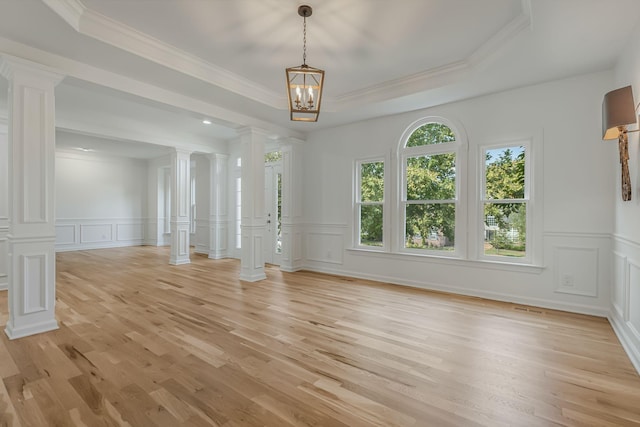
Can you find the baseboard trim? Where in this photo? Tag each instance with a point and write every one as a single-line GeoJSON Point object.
{"type": "Point", "coordinates": [291, 269]}
{"type": "Point", "coordinates": [496, 296]}
{"type": "Point", "coordinates": [627, 342]}
{"type": "Point", "coordinates": [107, 245]}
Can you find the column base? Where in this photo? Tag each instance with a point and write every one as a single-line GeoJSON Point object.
{"type": "Point", "coordinates": [14, 332]}
{"type": "Point", "coordinates": [252, 278]}
{"type": "Point", "coordinates": [180, 243]}
{"type": "Point", "coordinates": [252, 256]}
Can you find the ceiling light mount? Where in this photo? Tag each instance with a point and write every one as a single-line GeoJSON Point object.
{"type": "Point", "coordinates": [304, 83]}
{"type": "Point", "coordinates": [305, 11]}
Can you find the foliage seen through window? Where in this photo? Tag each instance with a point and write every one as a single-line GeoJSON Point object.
{"type": "Point", "coordinates": [370, 203]}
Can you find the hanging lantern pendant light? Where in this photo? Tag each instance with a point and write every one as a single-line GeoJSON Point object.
{"type": "Point", "coordinates": [304, 83]}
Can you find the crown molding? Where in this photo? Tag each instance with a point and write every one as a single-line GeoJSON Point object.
{"type": "Point", "coordinates": [107, 30]}
{"type": "Point", "coordinates": [121, 36]}
{"type": "Point", "coordinates": [128, 135]}
{"type": "Point", "coordinates": [449, 73]}
{"type": "Point", "coordinates": [492, 48]}
{"type": "Point", "coordinates": [401, 86]}
{"type": "Point", "coordinates": [69, 10]}
{"type": "Point", "coordinates": [111, 80]}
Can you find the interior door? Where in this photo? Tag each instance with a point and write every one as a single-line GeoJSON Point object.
{"type": "Point", "coordinates": [273, 207]}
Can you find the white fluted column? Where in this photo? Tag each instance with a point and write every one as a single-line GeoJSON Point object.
{"type": "Point", "coordinates": [291, 205]}
{"type": "Point", "coordinates": [253, 222]}
{"type": "Point", "coordinates": [31, 235]}
{"type": "Point", "coordinates": [218, 213]}
{"type": "Point", "coordinates": [202, 202]}
{"type": "Point", "coordinates": [180, 206]}
{"type": "Point", "coordinates": [4, 207]}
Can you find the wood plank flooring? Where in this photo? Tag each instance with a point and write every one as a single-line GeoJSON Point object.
{"type": "Point", "coordinates": [143, 343]}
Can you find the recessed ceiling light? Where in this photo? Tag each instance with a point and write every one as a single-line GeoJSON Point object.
{"type": "Point", "coordinates": [206, 121]}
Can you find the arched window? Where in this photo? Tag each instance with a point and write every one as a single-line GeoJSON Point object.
{"type": "Point", "coordinates": [432, 164]}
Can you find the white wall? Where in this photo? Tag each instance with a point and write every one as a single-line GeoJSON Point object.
{"type": "Point", "coordinates": [158, 191]}
{"type": "Point", "coordinates": [100, 201]}
{"type": "Point", "coordinates": [625, 295]}
{"type": "Point", "coordinates": [562, 118]}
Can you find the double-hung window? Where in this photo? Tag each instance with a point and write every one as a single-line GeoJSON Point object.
{"type": "Point", "coordinates": [505, 201]}
{"type": "Point", "coordinates": [370, 203]}
{"type": "Point", "coordinates": [430, 196]}
{"type": "Point", "coordinates": [438, 209]}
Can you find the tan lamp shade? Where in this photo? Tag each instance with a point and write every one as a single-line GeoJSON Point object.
{"type": "Point", "coordinates": [617, 110]}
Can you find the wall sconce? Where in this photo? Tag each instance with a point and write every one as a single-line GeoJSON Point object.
{"type": "Point", "coordinates": [618, 111]}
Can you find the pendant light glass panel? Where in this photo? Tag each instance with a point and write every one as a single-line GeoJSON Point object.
{"type": "Point", "coordinates": [304, 86]}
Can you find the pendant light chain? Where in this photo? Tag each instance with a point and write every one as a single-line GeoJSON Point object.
{"type": "Point", "coordinates": [304, 41]}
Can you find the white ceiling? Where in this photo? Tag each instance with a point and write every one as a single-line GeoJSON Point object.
{"type": "Point", "coordinates": [150, 70]}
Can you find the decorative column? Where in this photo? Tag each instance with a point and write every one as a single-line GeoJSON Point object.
{"type": "Point", "coordinates": [4, 208]}
{"type": "Point", "coordinates": [218, 216]}
{"type": "Point", "coordinates": [31, 235]}
{"type": "Point", "coordinates": [291, 205]}
{"type": "Point", "coordinates": [202, 203]}
{"type": "Point", "coordinates": [180, 206]}
{"type": "Point", "coordinates": [253, 222]}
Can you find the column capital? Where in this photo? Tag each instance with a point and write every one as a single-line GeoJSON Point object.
{"type": "Point", "coordinates": [177, 150]}
{"type": "Point", "coordinates": [290, 142]}
{"type": "Point", "coordinates": [12, 66]}
{"type": "Point", "coordinates": [218, 156]}
{"type": "Point", "coordinates": [253, 131]}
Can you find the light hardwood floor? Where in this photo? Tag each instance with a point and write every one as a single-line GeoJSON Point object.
{"type": "Point", "coordinates": [143, 343]}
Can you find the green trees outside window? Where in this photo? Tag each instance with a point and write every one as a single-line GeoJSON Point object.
{"type": "Point", "coordinates": [371, 189]}
{"type": "Point", "coordinates": [430, 188]}
{"type": "Point", "coordinates": [432, 213]}
{"type": "Point", "coordinates": [505, 202]}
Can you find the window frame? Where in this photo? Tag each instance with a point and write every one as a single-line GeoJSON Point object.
{"type": "Point", "coordinates": [459, 148]}
{"type": "Point", "coordinates": [528, 199]}
{"type": "Point", "coordinates": [357, 204]}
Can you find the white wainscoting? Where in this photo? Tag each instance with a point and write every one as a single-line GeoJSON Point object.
{"type": "Point", "coordinates": [157, 234]}
{"type": "Point", "coordinates": [325, 244]}
{"type": "Point", "coordinates": [625, 296]}
{"type": "Point", "coordinates": [200, 239]}
{"type": "Point", "coordinates": [130, 232]}
{"type": "Point", "coordinates": [576, 270]}
{"type": "Point", "coordinates": [585, 290]}
{"type": "Point", "coordinates": [618, 287]}
{"type": "Point", "coordinates": [79, 234]}
{"type": "Point", "coordinates": [151, 233]}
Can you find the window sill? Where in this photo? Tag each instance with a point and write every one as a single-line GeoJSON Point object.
{"type": "Point", "coordinates": [460, 262]}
